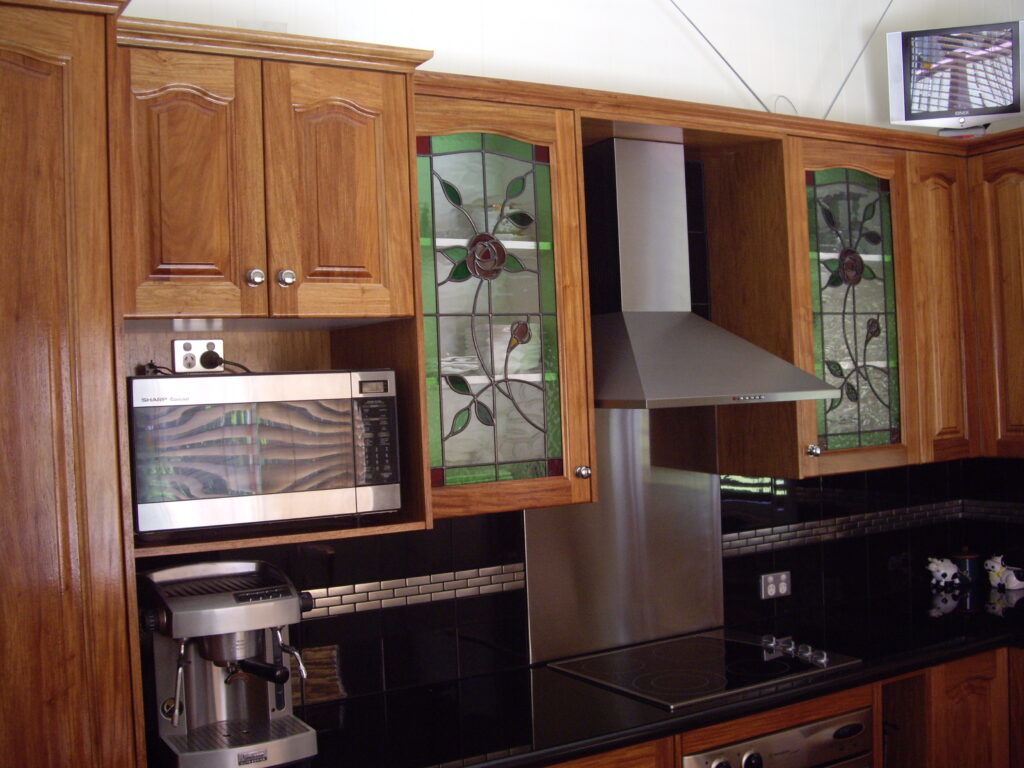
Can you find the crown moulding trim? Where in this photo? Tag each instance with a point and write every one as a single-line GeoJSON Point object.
{"type": "Point", "coordinates": [201, 38]}
{"type": "Point", "coordinates": [86, 6]}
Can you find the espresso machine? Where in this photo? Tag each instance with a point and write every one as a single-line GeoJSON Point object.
{"type": "Point", "coordinates": [221, 689]}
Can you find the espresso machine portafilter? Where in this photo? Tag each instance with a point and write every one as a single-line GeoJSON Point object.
{"type": "Point", "coordinates": [221, 690]}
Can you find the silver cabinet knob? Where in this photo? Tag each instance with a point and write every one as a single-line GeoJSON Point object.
{"type": "Point", "coordinates": [286, 277]}
{"type": "Point", "coordinates": [255, 277]}
{"type": "Point", "coordinates": [583, 473]}
{"type": "Point", "coordinates": [813, 450]}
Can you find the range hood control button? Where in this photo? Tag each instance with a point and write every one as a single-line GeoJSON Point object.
{"type": "Point", "coordinates": [753, 760]}
{"type": "Point", "coordinates": [723, 763]}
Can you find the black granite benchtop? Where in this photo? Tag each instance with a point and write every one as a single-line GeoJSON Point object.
{"type": "Point", "coordinates": [539, 716]}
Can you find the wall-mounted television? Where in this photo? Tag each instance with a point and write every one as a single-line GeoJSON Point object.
{"type": "Point", "coordinates": [958, 77]}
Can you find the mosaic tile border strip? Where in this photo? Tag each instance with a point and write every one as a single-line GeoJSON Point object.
{"type": "Point", "coordinates": [377, 595]}
{"type": "Point", "coordinates": [798, 534]}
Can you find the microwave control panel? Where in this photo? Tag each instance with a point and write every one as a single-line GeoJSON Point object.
{"type": "Point", "coordinates": [376, 431]}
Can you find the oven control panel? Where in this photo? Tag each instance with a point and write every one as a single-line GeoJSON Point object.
{"type": "Point", "coordinates": [843, 741]}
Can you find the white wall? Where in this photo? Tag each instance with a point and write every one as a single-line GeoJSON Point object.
{"type": "Point", "coordinates": [793, 53]}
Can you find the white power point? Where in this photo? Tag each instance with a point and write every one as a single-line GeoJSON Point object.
{"type": "Point", "coordinates": [188, 355]}
{"type": "Point", "coordinates": [777, 584]}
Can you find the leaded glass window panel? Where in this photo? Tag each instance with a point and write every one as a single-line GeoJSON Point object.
{"type": "Point", "coordinates": [854, 307]}
{"type": "Point", "coordinates": [490, 325]}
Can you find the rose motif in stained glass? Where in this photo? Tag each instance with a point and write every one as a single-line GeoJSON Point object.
{"type": "Point", "coordinates": [851, 267]}
{"type": "Point", "coordinates": [485, 257]}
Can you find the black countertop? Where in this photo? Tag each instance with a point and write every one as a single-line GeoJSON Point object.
{"type": "Point", "coordinates": [537, 716]}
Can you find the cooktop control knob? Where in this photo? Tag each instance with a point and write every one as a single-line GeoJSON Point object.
{"type": "Point", "coordinates": [768, 641]}
{"type": "Point", "coordinates": [804, 651]}
{"type": "Point", "coordinates": [786, 644]}
{"type": "Point", "coordinates": [820, 658]}
{"type": "Point", "coordinates": [753, 760]}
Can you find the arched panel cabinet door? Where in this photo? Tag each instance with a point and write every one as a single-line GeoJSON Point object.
{"type": "Point", "coordinates": [63, 602]}
{"type": "Point", "coordinates": [338, 191]}
{"type": "Point", "coordinates": [997, 208]}
{"type": "Point", "coordinates": [188, 202]}
{"type": "Point", "coordinates": [504, 306]}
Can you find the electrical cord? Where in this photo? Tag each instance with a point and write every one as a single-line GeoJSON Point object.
{"type": "Point", "coordinates": [152, 369]}
{"type": "Point", "coordinates": [210, 360]}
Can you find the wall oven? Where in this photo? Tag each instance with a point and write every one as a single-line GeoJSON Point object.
{"type": "Point", "coordinates": [229, 449]}
{"type": "Point", "coordinates": [843, 741]}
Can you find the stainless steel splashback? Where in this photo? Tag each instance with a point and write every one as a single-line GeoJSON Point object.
{"type": "Point", "coordinates": [642, 563]}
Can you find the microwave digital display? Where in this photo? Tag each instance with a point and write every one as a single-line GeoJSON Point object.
{"type": "Point", "coordinates": [228, 449]}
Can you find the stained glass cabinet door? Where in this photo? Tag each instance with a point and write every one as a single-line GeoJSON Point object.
{"type": "Point", "coordinates": [508, 399]}
{"type": "Point", "coordinates": [860, 322]}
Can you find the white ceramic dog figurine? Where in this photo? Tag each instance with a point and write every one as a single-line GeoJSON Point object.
{"type": "Point", "coordinates": [944, 572]}
{"type": "Point", "coordinates": [1002, 576]}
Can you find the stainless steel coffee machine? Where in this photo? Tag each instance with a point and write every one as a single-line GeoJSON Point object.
{"type": "Point", "coordinates": [221, 691]}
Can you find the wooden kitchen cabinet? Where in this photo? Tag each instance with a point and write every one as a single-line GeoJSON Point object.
{"type": "Point", "coordinates": [68, 694]}
{"type": "Point", "coordinates": [943, 284]}
{"type": "Point", "coordinates": [505, 307]}
{"type": "Point", "coordinates": [968, 712]}
{"type": "Point", "coordinates": [650, 754]}
{"type": "Point", "coordinates": [255, 183]}
{"type": "Point", "coordinates": [997, 216]}
{"type": "Point", "coordinates": [764, 288]}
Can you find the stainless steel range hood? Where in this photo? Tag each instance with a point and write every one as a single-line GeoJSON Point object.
{"type": "Point", "coordinates": [650, 350]}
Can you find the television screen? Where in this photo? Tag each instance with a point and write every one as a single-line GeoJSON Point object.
{"type": "Point", "coordinates": [955, 77]}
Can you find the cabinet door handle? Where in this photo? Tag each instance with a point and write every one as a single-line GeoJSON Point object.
{"type": "Point", "coordinates": [286, 277]}
{"type": "Point", "coordinates": [583, 473]}
{"type": "Point", "coordinates": [813, 450]}
{"type": "Point", "coordinates": [255, 278]}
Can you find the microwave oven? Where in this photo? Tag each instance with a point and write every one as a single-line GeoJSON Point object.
{"type": "Point", "coordinates": [229, 449]}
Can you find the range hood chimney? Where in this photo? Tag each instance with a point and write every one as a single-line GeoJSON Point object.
{"type": "Point", "coordinates": [650, 350]}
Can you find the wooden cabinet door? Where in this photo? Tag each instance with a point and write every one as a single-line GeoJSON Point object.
{"type": "Point", "coordinates": [857, 233]}
{"type": "Point", "coordinates": [650, 754]}
{"type": "Point", "coordinates": [339, 185]}
{"type": "Point", "coordinates": [505, 319]}
{"type": "Point", "coordinates": [968, 708]}
{"type": "Point", "coordinates": [937, 187]}
{"type": "Point", "coordinates": [62, 605]}
{"type": "Point", "coordinates": [188, 203]}
{"type": "Point", "coordinates": [997, 219]}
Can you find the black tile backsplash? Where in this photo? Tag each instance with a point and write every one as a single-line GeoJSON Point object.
{"type": "Point", "coordinates": [389, 658]}
{"type": "Point", "coordinates": [900, 518]}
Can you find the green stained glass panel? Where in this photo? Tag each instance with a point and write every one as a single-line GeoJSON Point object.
{"type": "Point", "coordinates": [522, 470]}
{"type": "Point", "coordinates": [459, 142]}
{"type": "Point", "coordinates": [489, 303]}
{"type": "Point", "coordinates": [503, 145]}
{"type": "Point", "coordinates": [854, 307]}
{"type": "Point", "coordinates": [465, 475]}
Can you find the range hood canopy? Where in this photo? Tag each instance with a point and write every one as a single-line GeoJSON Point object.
{"type": "Point", "coordinates": [650, 350]}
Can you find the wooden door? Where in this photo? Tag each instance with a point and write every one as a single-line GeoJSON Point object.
{"type": "Point", "coordinates": [942, 309]}
{"type": "Point", "coordinates": [338, 164]}
{"type": "Point", "coordinates": [900, 397]}
{"type": "Point", "coordinates": [650, 754]}
{"type": "Point", "coordinates": [187, 190]}
{"type": "Point", "coordinates": [62, 605]}
{"type": "Point", "coordinates": [997, 218]}
{"type": "Point", "coordinates": [521, 227]}
{"type": "Point", "coordinates": [968, 706]}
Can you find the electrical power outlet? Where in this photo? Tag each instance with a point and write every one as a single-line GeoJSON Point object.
{"type": "Point", "coordinates": [188, 355]}
{"type": "Point", "coordinates": [779, 584]}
